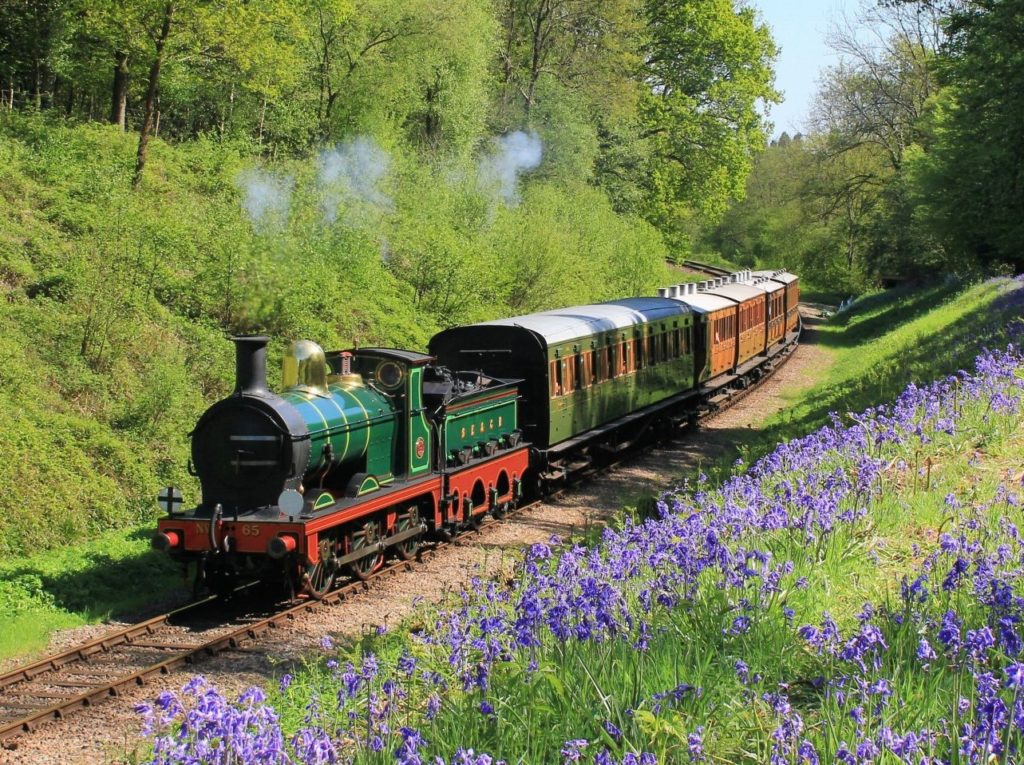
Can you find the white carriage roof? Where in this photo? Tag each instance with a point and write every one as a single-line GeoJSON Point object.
{"type": "Point", "coordinates": [764, 284]}
{"type": "Point", "coordinates": [780, 276]}
{"type": "Point", "coordinates": [706, 302]}
{"type": "Point", "coordinates": [736, 291]}
{"type": "Point", "coordinates": [564, 324]}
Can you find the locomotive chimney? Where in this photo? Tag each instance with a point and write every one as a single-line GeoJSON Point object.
{"type": "Point", "coordinates": [250, 364]}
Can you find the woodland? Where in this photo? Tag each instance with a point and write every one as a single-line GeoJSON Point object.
{"type": "Point", "coordinates": [370, 171]}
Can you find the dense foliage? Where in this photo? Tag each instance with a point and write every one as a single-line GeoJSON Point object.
{"type": "Point", "coordinates": [655, 102]}
{"type": "Point", "coordinates": [912, 165]}
{"type": "Point", "coordinates": [354, 171]}
{"type": "Point", "coordinates": [726, 628]}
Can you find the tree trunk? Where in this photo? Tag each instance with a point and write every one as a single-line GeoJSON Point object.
{"type": "Point", "coordinates": [540, 21]}
{"type": "Point", "coordinates": [263, 116]}
{"type": "Point", "coordinates": [69, 99]}
{"type": "Point", "coordinates": [150, 105]}
{"type": "Point", "coordinates": [119, 101]}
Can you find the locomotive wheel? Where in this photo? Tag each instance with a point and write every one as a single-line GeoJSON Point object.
{"type": "Point", "coordinates": [408, 519]}
{"type": "Point", "coordinates": [366, 535]}
{"type": "Point", "coordinates": [319, 578]}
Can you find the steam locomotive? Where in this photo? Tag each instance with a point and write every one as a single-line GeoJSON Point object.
{"type": "Point", "coordinates": [368, 452]}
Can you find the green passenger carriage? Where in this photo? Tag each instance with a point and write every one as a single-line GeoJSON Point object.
{"type": "Point", "coordinates": [584, 367]}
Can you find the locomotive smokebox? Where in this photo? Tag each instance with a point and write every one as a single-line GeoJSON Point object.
{"type": "Point", "coordinates": [250, 364]}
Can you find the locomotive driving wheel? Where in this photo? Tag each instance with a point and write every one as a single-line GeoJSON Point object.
{"type": "Point", "coordinates": [360, 538]}
{"type": "Point", "coordinates": [319, 577]}
{"type": "Point", "coordinates": [408, 519]}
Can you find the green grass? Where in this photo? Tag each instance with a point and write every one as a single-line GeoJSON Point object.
{"type": "Point", "coordinates": [114, 575]}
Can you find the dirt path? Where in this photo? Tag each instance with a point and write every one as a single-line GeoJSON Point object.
{"type": "Point", "coordinates": [109, 732]}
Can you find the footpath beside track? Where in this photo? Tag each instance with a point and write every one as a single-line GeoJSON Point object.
{"type": "Point", "coordinates": [52, 688]}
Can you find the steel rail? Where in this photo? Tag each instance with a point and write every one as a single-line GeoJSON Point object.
{"type": "Point", "coordinates": [247, 633]}
{"type": "Point", "coordinates": [706, 268]}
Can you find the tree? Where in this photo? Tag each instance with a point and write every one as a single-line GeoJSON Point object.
{"type": "Point", "coordinates": [878, 91]}
{"type": "Point", "coordinates": [977, 168]}
{"type": "Point", "coordinates": [159, 45]}
{"type": "Point", "coordinates": [29, 36]}
{"type": "Point", "coordinates": [586, 46]}
{"type": "Point", "coordinates": [707, 65]}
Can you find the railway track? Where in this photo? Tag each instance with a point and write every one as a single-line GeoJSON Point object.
{"type": "Point", "coordinates": [84, 675]}
{"type": "Point", "coordinates": [705, 268]}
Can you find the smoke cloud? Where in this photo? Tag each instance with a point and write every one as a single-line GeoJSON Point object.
{"type": "Point", "coordinates": [513, 154]}
{"type": "Point", "coordinates": [350, 175]}
{"type": "Point", "coordinates": [266, 196]}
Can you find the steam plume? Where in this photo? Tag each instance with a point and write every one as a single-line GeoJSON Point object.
{"type": "Point", "coordinates": [514, 153]}
{"type": "Point", "coordinates": [266, 196]}
{"type": "Point", "coordinates": [350, 174]}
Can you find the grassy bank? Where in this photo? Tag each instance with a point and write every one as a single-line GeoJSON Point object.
{"type": "Point", "coordinates": [114, 575]}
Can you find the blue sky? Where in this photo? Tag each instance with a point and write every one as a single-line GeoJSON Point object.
{"type": "Point", "coordinates": [800, 29]}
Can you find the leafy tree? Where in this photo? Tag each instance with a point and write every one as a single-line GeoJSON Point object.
{"type": "Point", "coordinates": [707, 64]}
{"type": "Point", "coordinates": [978, 163]}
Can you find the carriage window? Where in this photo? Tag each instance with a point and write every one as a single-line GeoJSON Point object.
{"type": "Point", "coordinates": [601, 366]}
{"type": "Point", "coordinates": [638, 352]}
{"type": "Point", "coordinates": [613, 361]}
{"type": "Point", "coordinates": [582, 379]}
{"type": "Point", "coordinates": [556, 378]}
{"type": "Point", "coordinates": [568, 379]}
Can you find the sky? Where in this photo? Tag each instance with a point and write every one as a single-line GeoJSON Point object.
{"type": "Point", "coordinates": [800, 28]}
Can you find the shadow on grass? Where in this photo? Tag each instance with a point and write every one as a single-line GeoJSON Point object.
{"type": "Point", "coordinates": [109, 587]}
{"type": "Point", "coordinates": [887, 310]}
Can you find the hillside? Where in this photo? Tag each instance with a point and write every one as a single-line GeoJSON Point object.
{"type": "Point", "coordinates": [117, 303]}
